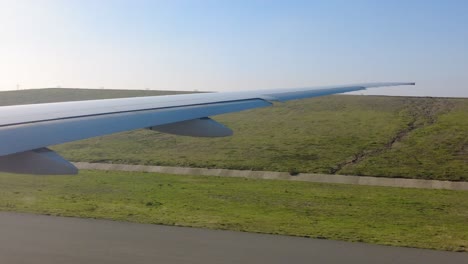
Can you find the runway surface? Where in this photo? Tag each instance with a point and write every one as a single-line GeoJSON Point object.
{"type": "Point", "coordinates": [27, 238]}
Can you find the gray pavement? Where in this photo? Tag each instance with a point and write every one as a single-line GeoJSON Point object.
{"type": "Point", "coordinates": [27, 238]}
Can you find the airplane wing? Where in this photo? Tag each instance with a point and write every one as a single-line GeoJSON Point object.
{"type": "Point", "coordinates": [27, 130]}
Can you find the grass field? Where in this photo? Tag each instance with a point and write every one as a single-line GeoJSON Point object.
{"type": "Point", "coordinates": [358, 135]}
{"type": "Point", "coordinates": [435, 219]}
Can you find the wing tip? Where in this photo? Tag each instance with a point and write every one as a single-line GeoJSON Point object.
{"type": "Point", "coordinates": [386, 84]}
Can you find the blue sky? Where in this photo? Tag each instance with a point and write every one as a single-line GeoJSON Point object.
{"type": "Point", "coordinates": [235, 45]}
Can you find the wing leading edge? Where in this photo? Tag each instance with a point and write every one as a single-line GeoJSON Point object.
{"type": "Point", "coordinates": [27, 129]}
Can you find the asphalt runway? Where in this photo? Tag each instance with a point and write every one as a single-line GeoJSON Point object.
{"type": "Point", "coordinates": [27, 238]}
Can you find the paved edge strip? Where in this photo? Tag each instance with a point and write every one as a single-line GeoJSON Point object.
{"type": "Point", "coordinates": [271, 175]}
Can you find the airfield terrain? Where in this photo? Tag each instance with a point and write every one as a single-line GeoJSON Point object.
{"type": "Point", "coordinates": [424, 138]}
{"type": "Point", "coordinates": [420, 218]}
{"type": "Point", "coordinates": [371, 135]}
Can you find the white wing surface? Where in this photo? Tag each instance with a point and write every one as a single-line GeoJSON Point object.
{"type": "Point", "coordinates": [26, 130]}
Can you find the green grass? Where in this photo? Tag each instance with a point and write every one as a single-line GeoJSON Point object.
{"type": "Point", "coordinates": [436, 151]}
{"type": "Point", "coordinates": [434, 219]}
{"type": "Point", "coordinates": [358, 135]}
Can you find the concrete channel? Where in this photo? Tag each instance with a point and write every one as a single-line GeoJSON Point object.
{"type": "Point", "coordinates": [271, 175]}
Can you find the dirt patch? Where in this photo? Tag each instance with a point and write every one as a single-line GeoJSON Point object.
{"type": "Point", "coordinates": [422, 112]}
